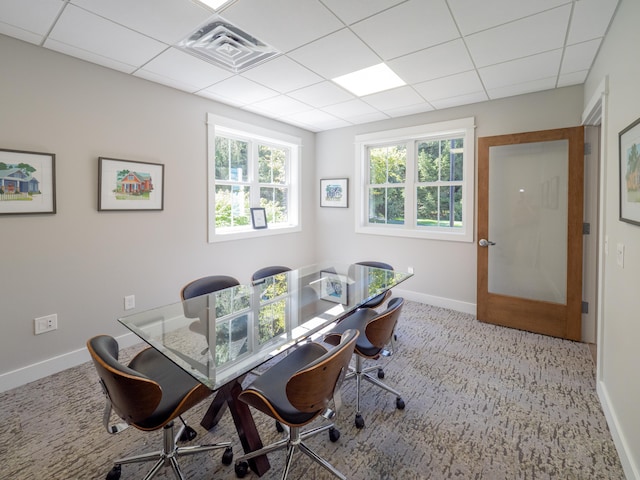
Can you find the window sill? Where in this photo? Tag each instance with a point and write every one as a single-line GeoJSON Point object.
{"type": "Point", "coordinates": [449, 236]}
{"type": "Point", "coordinates": [252, 233]}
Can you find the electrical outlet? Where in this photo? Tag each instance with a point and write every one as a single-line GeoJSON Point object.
{"type": "Point", "coordinates": [129, 302]}
{"type": "Point", "coordinates": [409, 269]}
{"type": "Point", "coordinates": [45, 324]}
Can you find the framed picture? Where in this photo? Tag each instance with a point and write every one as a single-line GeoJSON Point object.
{"type": "Point", "coordinates": [334, 287]}
{"type": "Point", "coordinates": [258, 218]}
{"type": "Point", "coordinates": [334, 192]}
{"type": "Point", "coordinates": [27, 182]}
{"type": "Point", "coordinates": [629, 140]}
{"type": "Point", "coordinates": [130, 185]}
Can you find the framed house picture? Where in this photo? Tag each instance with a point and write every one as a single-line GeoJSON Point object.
{"type": "Point", "coordinates": [27, 182]}
{"type": "Point", "coordinates": [334, 192]}
{"type": "Point", "coordinates": [629, 145]}
{"type": "Point", "coordinates": [334, 288]}
{"type": "Point", "coordinates": [130, 185]}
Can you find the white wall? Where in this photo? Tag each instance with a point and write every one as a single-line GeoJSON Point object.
{"type": "Point", "coordinates": [619, 342]}
{"type": "Point", "coordinates": [445, 272]}
{"type": "Point", "coordinates": [80, 263]}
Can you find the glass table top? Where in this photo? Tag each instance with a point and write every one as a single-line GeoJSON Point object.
{"type": "Point", "coordinates": [223, 335]}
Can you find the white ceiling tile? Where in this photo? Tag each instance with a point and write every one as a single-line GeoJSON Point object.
{"type": "Point", "coordinates": [412, 19]}
{"type": "Point", "coordinates": [98, 37]}
{"type": "Point", "coordinates": [166, 20]}
{"type": "Point", "coordinates": [349, 109]}
{"type": "Point", "coordinates": [182, 69]}
{"type": "Point", "coordinates": [473, 16]}
{"type": "Point", "coordinates": [355, 10]}
{"type": "Point", "coordinates": [394, 98]}
{"type": "Point", "coordinates": [367, 117]}
{"type": "Point", "coordinates": [580, 56]}
{"type": "Point", "coordinates": [435, 62]}
{"type": "Point", "coordinates": [317, 120]}
{"type": "Point", "coordinates": [279, 106]}
{"type": "Point", "coordinates": [522, 88]}
{"type": "Point", "coordinates": [520, 71]}
{"type": "Point", "coordinates": [28, 24]}
{"type": "Point", "coordinates": [458, 100]}
{"type": "Point", "coordinates": [87, 56]}
{"type": "Point", "coordinates": [409, 109]}
{"type": "Point", "coordinates": [337, 54]}
{"type": "Point", "coordinates": [573, 78]}
{"type": "Point", "coordinates": [240, 90]}
{"type": "Point", "coordinates": [283, 24]}
{"type": "Point", "coordinates": [590, 19]}
{"type": "Point", "coordinates": [282, 74]}
{"type": "Point", "coordinates": [322, 94]}
{"type": "Point", "coordinates": [452, 86]}
{"type": "Point", "coordinates": [539, 33]}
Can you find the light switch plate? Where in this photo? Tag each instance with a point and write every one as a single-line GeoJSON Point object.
{"type": "Point", "coordinates": [620, 254]}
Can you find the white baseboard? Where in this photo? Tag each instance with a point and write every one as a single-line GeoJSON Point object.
{"type": "Point", "coordinates": [36, 371]}
{"type": "Point", "coordinates": [630, 465]}
{"type": "Point", "coordinates": [59, 363]}
{"type": "Point", "coordinates": [452, 304]}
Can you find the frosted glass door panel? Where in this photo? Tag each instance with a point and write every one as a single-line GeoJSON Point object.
{"type": "Point", "coordinates": [528, 203]}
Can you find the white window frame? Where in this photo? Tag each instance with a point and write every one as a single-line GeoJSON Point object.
{"type": "Point", "coordinates": [464, 127]}
{"type": "Point", "coordinates": [225, 126]}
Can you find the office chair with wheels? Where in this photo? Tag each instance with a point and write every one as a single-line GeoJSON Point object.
{"type": "Point", "coordinates": [297, 390]}
{"type": "Point", "coordinates": [267, 272]}
{"type": "Point", "coordinates": [376, 331]}
{"type": "Point", "coordinates": [378, 299]}
{"type": "Point", "coordinates": [149, 394]}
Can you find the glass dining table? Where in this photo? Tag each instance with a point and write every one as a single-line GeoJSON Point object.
{"type": "Point", "coordinates": [221, 337]}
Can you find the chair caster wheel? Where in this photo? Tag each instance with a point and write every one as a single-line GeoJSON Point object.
{"type": "Point", "coordinates": [241, 469]}
{"type": "Point", "coordinates": [399, 403]}
{"type": "Point", "coordinates": [334, 434]}
{"type": "Point", "coordinates": [188, 434]}
{"type": "Point", "coordinates": [279, 427]}
{"type": "Point", "coordinates": [380, 373]}
{"type": "Point", "coordinates": [359, 421]}
{"type": "Point", "coordinates": [115, 472]}
{"type": "Point", "coordinates": [227, 456]}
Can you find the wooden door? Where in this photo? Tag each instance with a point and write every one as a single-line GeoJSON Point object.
{"type": "Point", "coordinates": [530, 204]}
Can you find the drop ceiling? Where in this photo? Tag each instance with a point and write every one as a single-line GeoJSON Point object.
{"type": "Point", "coordinates": [449, 52]}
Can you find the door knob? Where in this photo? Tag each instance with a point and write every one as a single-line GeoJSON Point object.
{"type": "Point", "coordinates": [485, 243]}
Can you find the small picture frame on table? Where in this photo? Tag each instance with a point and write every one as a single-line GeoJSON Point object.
{"type": "Point", "coordinates": [334, 192]}
{"type": "Point", "coordinates": [258, 218]}
{"type": "Point", "coordinates": [334, 288]}
{"type": "Point", "coordinates": [27, 182]}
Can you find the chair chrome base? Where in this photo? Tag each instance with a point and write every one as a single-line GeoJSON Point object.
{"type": "Point", "coordinates": [359, 374]}
{"type": "Point", "coordinates": [169, 454]}
{"type": "Point", "coordinates": [293, 442]}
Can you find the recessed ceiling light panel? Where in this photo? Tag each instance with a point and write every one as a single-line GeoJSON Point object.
{"type": "Point", "coordinates": [225, 45]}
{"type": "Point", "coordinates": [370, 80]}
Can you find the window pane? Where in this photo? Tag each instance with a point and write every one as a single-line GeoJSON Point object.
{"type": "Point", "coordinates": [272, 165]}
{"type": "Point", "coordinates": [395, 205]}
{"type": "Point", "coordinates": [428, 161]}
{"type": "Point", "coordinates": [427, 206]}
{"type": "Point", "coordinates": [232, 206]}
{"type": "Point", "coordinates": [386, 205]}
{"type": "Point", "coordinates": [452, 154]}
{"type": "Point", "coordinates": [387, 164]}
{"type": "Point", "coordinates": [276, 202]}
{"type": "Point", "coordinates": [271, 320]}
{"type": "Point", "coordinates": [231, 159]}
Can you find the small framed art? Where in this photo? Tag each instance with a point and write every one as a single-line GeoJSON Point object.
{"type": "Point", "coordinates": [629, 145]}
{"type": "Point", "coordinates": [334, 287]}
{"type": "Point", "coordinates": [334, 192]}
{"type": "Point", "coordinates": [258, 218]}
{"type": "Point", "coordinates": [27, 182]}
{"type": "Point", "coordinates": [130, 185]}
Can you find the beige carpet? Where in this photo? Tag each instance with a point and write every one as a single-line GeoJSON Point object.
{"type": "Point", "coordinates": [482, 402]}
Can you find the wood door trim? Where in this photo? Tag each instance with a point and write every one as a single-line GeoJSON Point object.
{"type": "Point", "coordinates": [541, 317]}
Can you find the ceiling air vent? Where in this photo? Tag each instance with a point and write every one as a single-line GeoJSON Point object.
{"type": "Point", "coordinates": [225, 45]}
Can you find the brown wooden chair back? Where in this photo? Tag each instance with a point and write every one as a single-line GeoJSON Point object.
{"type": "Point", "coordinates": [380, 330]}
{"type": "Point", "coordinates": [133, 396]}
{"type": "Point", "coordinates": [311, 388]}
